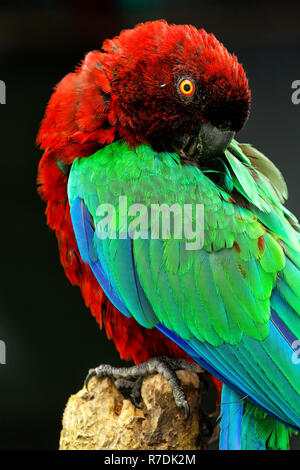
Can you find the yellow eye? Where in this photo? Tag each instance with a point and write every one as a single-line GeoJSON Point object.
{"type": "Point", "coordinates": [186, 87]}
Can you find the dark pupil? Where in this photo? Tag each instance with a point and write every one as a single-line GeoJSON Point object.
{"type": "Point", "coordinates": [187, 87]}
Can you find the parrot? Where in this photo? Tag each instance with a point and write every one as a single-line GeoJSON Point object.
{"type": "Point", "coordinates": [150, 119]}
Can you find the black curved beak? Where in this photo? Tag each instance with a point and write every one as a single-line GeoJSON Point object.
{"type": "Point", "coordinates": [214, 141]}
{"type": "Point", "coordinates": [207, 142]}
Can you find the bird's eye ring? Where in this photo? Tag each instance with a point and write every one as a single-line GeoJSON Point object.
{"type": "Point", "coordinates": [187, 87]}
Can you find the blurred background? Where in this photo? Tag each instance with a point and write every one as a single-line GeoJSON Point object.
{"type": "Point", "coordinates": [51, 338]}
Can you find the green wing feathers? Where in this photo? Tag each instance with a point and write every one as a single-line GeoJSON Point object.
{"type": "Point", "coordinates": [250, 258]}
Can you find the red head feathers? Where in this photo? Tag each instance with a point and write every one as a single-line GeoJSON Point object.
{"type": "Point", "coordinates": [151, 84]}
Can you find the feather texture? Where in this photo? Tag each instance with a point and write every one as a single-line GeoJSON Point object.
{"type": "Point", "coordinates": [215, 302]}
{"type": "Point", "coordinates": [231, 422]}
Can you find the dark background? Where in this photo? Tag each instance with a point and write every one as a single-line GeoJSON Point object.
{"type": "Point", "coordinates": [51, 338]}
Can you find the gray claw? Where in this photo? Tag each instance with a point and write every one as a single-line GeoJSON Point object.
{"type": "Point", "coordinates": [186, 411]}
{"type": "Point", "coordinates": [88, 378]}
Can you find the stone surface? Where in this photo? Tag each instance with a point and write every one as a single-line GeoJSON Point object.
{"type": "Point", "coordinates": [101, 418]}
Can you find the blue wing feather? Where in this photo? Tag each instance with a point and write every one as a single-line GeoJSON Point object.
{"type": "Point", "coordinates": [84, 233]}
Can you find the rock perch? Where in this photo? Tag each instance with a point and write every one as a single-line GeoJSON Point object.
{"type": "Point", "coordinates": [102, 419]}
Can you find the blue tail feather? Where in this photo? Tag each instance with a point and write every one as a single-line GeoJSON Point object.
{"type": "Point", "coordinates": [231, 419]}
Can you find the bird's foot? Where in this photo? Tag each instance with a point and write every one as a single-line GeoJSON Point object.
{"type": "Point", "coordinates": [166, 366]}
